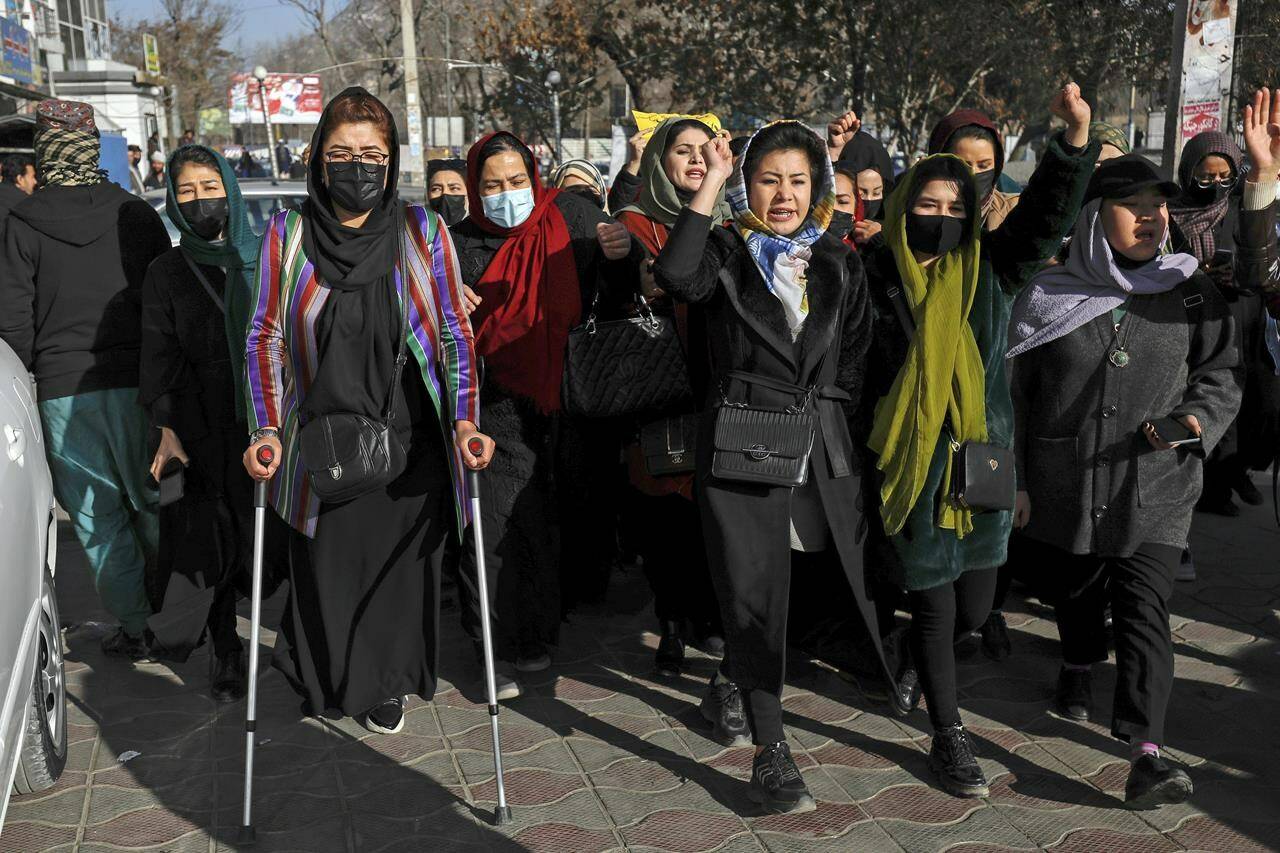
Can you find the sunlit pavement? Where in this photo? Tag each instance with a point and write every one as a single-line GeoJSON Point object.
{"type": "Point", "coordinates": [602, 755]}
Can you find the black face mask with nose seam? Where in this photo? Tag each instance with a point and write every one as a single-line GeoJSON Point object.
{"type": "Point", "coordinates": [207, 217]}
{"type": "Point", "coordinates": [355, 186]}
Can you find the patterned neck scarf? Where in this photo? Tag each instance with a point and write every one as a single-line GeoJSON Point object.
{"type": "Point", "coordinates": [783, 261]}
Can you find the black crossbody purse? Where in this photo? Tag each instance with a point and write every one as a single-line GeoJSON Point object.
{"type": "Point", "coordinates": [347, 455]}
{"type": "Point", "coordinates": [767, 447]}
{"type": "Point", "coordinates": [983, 476]}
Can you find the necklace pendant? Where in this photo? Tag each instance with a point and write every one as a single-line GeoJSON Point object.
{"type": "Point", "coordinates": [1120, 358]}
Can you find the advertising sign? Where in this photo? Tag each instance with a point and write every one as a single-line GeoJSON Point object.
{"type": "Point", "coordinates": [15, 59]}
{"type": "Point", "coordinates": [291, 99]}
{"type": "Point", "coordinates": [1207, 55]}
{"type": "Point", "coordinates": [151, 54]}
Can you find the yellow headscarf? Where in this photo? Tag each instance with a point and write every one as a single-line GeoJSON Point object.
{"type": "Point", "coordinates": [942, 378]}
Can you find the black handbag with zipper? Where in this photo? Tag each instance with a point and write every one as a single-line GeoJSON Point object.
{"type": "Point", "coordinates": [983, 476]}
{"type": "Point", "coordinates": [624, 367]}
{"type": "Point", "coordinates": [347, 455]}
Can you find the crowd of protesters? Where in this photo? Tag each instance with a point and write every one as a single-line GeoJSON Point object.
{"type": "Point", "coordinates": [892, 393]}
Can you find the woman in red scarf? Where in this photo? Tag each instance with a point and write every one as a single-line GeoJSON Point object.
{"type": "Point", "coordinates": [532, 257]}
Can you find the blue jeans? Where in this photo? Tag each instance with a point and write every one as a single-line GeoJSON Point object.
{"type": "Point", "coordinates": [97, 450]}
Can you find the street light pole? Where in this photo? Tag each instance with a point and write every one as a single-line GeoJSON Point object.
{"type": "Point", "coordinates": [412, 105]}
{"type": "Point", "coordinates": [260, 74]}
{"type": "Point", "coordinates": [553, 83]}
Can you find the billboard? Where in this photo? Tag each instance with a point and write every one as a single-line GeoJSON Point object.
{"type": "Point", "coordinates": [291, 99]}
{"type": "Point", "coordinates": [15, 58]}
{"type": "Point", "coordinates": [1207, 53]}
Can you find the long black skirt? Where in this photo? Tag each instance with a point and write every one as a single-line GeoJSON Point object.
{"type": "Point", "coordinates": [362, 622]}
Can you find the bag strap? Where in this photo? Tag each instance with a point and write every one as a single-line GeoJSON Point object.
{"type": "Point", "coordinates": [388, 413]}
{"type": "Point", "coordinates": [204, 282]}
{"type": "Point", "coordinates": [898, 298]}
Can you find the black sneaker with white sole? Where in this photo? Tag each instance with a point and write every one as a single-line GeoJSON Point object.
{"type": "Point", "coordinates": [776, 782]}
{"type": "Point", "coordinates": [722, 708]}
{"type": "Point", "coordinates": [386, 718]}
{"type": "Point", "coordinates": [1153, 783]}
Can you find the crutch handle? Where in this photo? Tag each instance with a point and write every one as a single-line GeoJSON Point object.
{"type": "Point", "coordinates": [265, 456]}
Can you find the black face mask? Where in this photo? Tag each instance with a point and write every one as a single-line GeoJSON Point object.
{"type": "Point", "coordinates": [586, 192]}
{"type": "Point", "coordinates": [933, 235]}
{"type": "Point", "coordinates": [355, 186]}
{"type": "Point", "coordinates": [871, 209]}
{"type": "Point", "coordinates": [452, 208]}
{"type": "Point", "coordinates": [841, 223]}
{"type": "Point", "coordinates": [1208, 195]}
{"type": "Point", "coordinates": [984, 183]}
{"type": "Point", "coordinates": [205, 216]}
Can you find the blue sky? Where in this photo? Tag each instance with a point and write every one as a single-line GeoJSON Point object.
{"type": "Point", "coordinates": [260, 20]}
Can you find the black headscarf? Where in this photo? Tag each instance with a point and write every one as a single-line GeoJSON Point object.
{"type": "Point", "coordinates": [864, 152]}
{"type": "Point", "coordinates": [351, 258]}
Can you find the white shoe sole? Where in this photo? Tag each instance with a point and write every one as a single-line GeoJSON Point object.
{"type": "Point", "coordinates": [383, 730]}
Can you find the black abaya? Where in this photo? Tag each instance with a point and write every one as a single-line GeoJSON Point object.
{"type": "Point", "coordinates": [361, 624]}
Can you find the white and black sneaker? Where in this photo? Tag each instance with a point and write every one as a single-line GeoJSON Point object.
{"type": "Point", "coordinates": [386, 718]}
{"type": "Point", "coordinates": [776, 782]}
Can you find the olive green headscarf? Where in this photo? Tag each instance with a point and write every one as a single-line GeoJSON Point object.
{"type": "Point", "coordinates": [942, 378]}
{"type": "Point", "coordinates": [659, 199]}
{"type": "Point", "coordinates": [236, 254]}
{"type": "Point", "coordinates": [1109, 134]}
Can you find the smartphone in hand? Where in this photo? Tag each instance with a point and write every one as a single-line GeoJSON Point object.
{"type": "Point", "coordinates": [1174, 432]}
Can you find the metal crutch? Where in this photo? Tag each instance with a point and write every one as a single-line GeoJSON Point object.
{"type": "Point", "coordinates": [265, 457]}
{"type": "Point", "coordinates": [501, 814]}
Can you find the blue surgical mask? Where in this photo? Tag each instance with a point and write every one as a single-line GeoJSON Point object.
{"type": "Point", "coordinates": [508, 209]}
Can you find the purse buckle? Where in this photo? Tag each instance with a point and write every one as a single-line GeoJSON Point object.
{"type": "Point", "coordinates": [757, 452]}
{"type": "Point", "coordinates": [335, 471]}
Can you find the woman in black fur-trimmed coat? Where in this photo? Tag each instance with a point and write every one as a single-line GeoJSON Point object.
{"type": "Point", "coordinates": [810, 326]}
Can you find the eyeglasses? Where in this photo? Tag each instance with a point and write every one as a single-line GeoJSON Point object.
{"type": "Point", "coordinates": [1225, 183]}
{"type": "Point", "coordinates": [368, 158]}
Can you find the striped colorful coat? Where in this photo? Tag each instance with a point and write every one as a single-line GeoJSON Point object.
{"type": "Point", "coordinates": [281, 351]}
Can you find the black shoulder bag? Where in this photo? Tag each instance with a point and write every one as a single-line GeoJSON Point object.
{"type": "Point", "coordinates": [983, 476]}
{"type": "Point", "coordinates": [347, 455]}
{"type": "Point", "coordinates": [624, 367]}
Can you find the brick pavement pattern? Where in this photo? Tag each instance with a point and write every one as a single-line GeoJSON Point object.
{"type": "Point", "coordinates": [604, 756]}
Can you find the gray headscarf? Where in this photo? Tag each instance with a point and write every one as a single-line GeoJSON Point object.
{"type": "Point", "coordinates": [1063, 298]}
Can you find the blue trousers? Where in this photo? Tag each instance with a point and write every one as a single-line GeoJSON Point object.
{"type": "Point", "coordinates": [97, 450]}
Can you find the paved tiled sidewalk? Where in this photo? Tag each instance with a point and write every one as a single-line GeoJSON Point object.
{"type": "Point", "coordinates": [602, 756]}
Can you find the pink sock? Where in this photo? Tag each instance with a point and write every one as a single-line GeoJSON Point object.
{"type": "Point", "coordinates": [1145, 748]}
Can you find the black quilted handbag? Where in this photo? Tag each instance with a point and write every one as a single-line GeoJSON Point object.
{"type": "Point", "coordinates": [624, 367]}
{"type": "Point", "coordinates": [768, 447]}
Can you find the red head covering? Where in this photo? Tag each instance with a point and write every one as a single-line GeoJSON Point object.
{"type": "Point", "coordinates": [530, 292]}
{"type": "Point", "coordinates": [947, 127]}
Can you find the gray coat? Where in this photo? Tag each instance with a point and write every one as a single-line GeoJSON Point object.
{"type": "Point", "coordinates": [1096, 485]}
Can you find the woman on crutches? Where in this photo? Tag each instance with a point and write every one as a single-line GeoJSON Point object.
{"type": "Point", "coordinates": [358, 342]}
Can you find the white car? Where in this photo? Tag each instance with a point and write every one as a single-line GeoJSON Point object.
{"type": "Point", "coordinates": [33, 706]}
